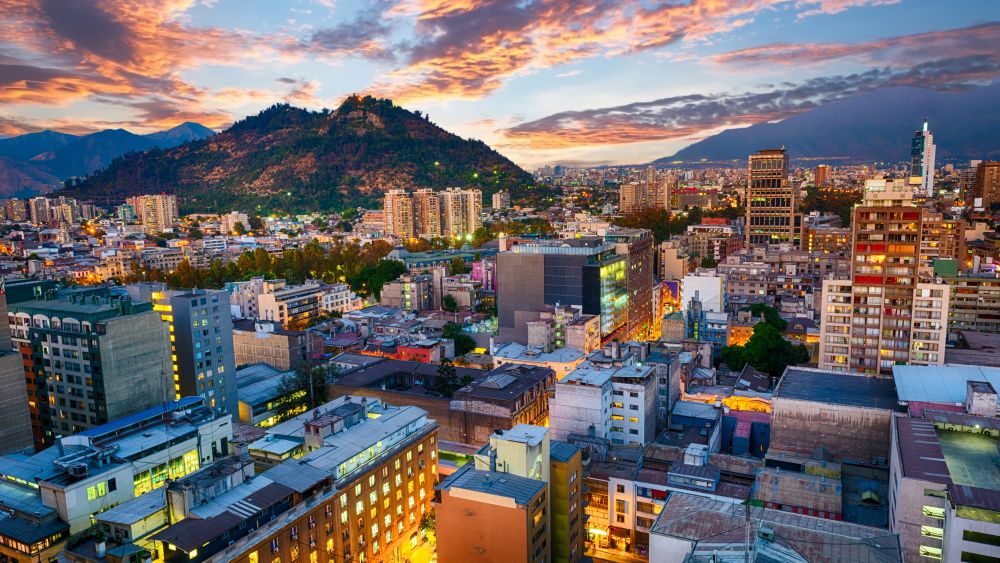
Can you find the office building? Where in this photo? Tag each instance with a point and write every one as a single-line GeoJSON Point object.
{"type": "Point", "coordinates": [267, 342]}
{"type": "Point", "coordinates": [398, 210]}
{"type": "Point", "coordinates": [922, 155]}
{"type": "Point", "coordinates": [461, 211]}
{"type": "Point", "coordinates": [382, 464]}
{"type": "Point", "coordinates": [90, 357]}
{"type": "Point", "coordinates": [201, 341]}
{"type": "Point", "coordinates": [891, 311]}
{"type": "Point", "coordinates": [824, 175]}
{"type": "Point", "coordinates": [637, 246]}
{"type": "Point", "coordinates": [986, 187]}
{"type": "Point", "coordinates": [772, 215]}
{"type": "Point", "coordinates": [586, 271]}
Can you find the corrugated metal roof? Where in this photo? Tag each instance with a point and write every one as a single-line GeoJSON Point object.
{"type": "Point", "coordinates": [976, 497]}
{"type": "Point", "coordinates": [561, 451]}
{"type": "Point", "coordinates": [920, 451]}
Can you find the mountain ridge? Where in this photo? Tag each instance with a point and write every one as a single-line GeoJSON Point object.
{"type": "Point", "coordinates": [287, 158]}
{"type": "Point", "coordinates": [874, 126]}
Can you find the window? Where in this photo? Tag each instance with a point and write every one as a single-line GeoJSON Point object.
{"type": "Point", "coordinates": [621, 506]}
{"type": "Point", "coordinates": [620, 519]}
{"type": "Point", "coordinates": [620, 488]}
{"type": "Point", "coordinates": [977, 537]}
{"type": "Point", "coordinates": [970, 557]}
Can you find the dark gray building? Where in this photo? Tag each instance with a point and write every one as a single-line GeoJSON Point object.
{"type": "Point", "coordinates": [89, 357]}
{"type": "Point", "coordinates": [201, 342]}
{"type": "Point", "coordinates": [584, 271]}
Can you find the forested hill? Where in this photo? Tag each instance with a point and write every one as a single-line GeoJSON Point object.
{"type": "Point", "coordinates": [290, 159]}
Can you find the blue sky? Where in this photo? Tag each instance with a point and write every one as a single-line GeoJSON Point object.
{"type": "Point", "coordinates": [542, 81]}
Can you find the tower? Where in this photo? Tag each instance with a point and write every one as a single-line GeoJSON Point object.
{"type": "Point", "coordinates": [922, 153]}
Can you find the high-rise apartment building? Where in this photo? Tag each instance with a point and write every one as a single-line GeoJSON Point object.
{"type": "Point", "coordinates": [986, 187]}
{"type": "Point", "coordinates": [201, 342]}
{"type": "Point", "coordinates": [427, 212]}
{"type": "Point", "coordinates": [501, 200]}
{"type": "Point", "coordinates": [890, 312]}
{"type": "Point", "coordinates": [824, 175]}
{"type": "Point", "coordinates": [398, 209]}
{"type": "Point", "coordinates": [922, 155]}
{"type": "Point", "coordinates": [461, 211]}
{"type": "Point", "coordinates": [772, 215]}
{"type": "Point", "coordinates": [157, 212]}
{"type": "Point", "coordinates": [90, 357]}
{"type": "Point", "coordinates": [38, 208]}
{"type": "Point", "coordinates": [17, 211]}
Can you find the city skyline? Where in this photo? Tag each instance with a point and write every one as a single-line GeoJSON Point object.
{"type": "Point", "coordinates": [553, 83]}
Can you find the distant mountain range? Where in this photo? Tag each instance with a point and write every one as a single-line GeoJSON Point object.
{"type": "Point", "coordinates": [37, 162]}
{"type": "Point", "coordinates": [290, 159]}
{"type": "Point", "coordinates": [870, 127]}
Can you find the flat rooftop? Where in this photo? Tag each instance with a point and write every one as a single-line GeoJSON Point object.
{"type": "Point", "coordinates": [972, 459]}
{"type": "Point", "coordinates": [821, 386]}
{"type": "Point", "coordinates": [587, 374]}
{"type": "Point", "coordinates": [521, 353]}
{"type": "Point", "coordinates": [520, 489]}
{"type": "Point", "coordinates": [940, 384]}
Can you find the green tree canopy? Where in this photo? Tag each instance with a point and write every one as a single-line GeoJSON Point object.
{"type": "Point", "coordinates": [463, 342]}
{"type": "Point", "coordinates": [767, 350]}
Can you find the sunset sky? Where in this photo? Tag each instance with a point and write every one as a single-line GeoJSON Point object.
{"type": "Point", "coordinates": [541, 81]}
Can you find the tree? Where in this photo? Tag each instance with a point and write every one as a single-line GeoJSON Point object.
{"type": "Point", "coordinates": [770, 314]}
{"type": "Point", "coordinates": [239, 228]}
{"type": "Point", "coordinates": [449, 304]}
{"type": "Point", "coordinates": [708, 262]}
{"type": "Point", "coordinates": [303, 389]}
{"type": "Point", "coordinates": [463, 342]}
{"type": "Point", "coordinates": [448, 380]}
{"type": "Point", "coordinates": [767, 350]}
{"type": "Point", "coordinates": [456, 266]}
{"type": "Point", "coordinates": [195, 233]}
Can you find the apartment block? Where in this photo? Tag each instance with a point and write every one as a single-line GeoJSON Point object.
{"type": "Point", "coordinates": [267, 342]}
{"type": "Point", "coordinates": [90, 357]}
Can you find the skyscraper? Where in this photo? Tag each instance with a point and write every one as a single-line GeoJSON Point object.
{"type": "Point", "coordinates": [922, 153]}
{"type": "Point", "coordinates": [637, 246]}
{"type": "Point", "coordinates": [890, 312]}
{"type": "Point", "coordinates": [772, 216]}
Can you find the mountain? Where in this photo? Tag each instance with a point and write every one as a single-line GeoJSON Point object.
{"type": "Point", "coordinates": [21, 179]}
{"type": "Point", "coordinates": [183, 133]}
{"type": "Point", "coordinates": [26, 147]}
{"type": "Point", "coordinates": [92, 152]}
{"type": "Point", "coordinates": [287, 158]}
{"type": "Point", "coordinates": [876, 126]}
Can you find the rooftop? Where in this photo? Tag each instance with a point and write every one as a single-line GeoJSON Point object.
{"type": "Point", "coordinates": [562, 451]}
{"type": "Point", "coordinates": [258, 383]}
{"type": "Point", "coordinates": [806, 384]}
{"type": "Point", "coordinates": [715, 526]}
{"type": "Point", "coordinates": [525, 434]}
{"type": "Point", "coordinates": [507, 382]}
{"type": "Point", "coordinates": [940, 384]}
{"type": "Point", "coordinates": [521, 353]}
{"type": "Point", "coordinates": [520, 489]}
{"type": "Point", "coordinates": [920, 451]}
{"type": "Point", "coordinates": [588, 374]}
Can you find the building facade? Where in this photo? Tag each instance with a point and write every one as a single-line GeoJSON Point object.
{"type": "Point", "coordinates": [772, 204]}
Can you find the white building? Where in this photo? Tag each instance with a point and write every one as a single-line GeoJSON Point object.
{"type": "Point", "coordinates": [615, 403]}
{"type": "Point", "coordinates": [709, 289]}
{"type": "Point", "coordinates": [339, 297]}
